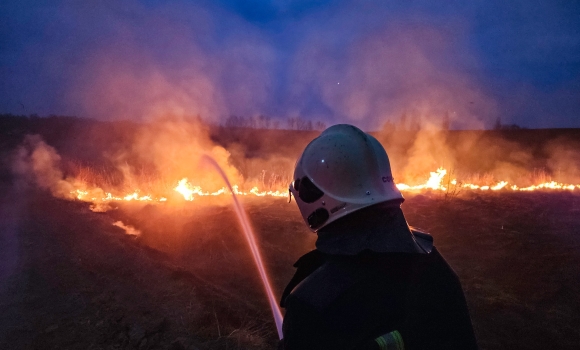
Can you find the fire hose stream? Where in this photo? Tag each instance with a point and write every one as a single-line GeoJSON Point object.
{"type": "Point", "coordinates": [251, 239]}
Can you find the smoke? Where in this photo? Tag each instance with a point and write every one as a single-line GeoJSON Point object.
{"type": "Point", "coordinates": [564, 160]}
{"type": "Point", "coordinates": [397, 70]}
{"type": "Point", "coordinates": [522, 157]}
{"type": "Point", "coordinates": [363, 65]}
{"type": "Point", "coordinates": [164, 61]}
{"type": "Point", "coordinates": [374, 65]}
{"type": "Point", "coordinates": [38, 162]}
{"type": "Point", "coordinates": [334, 61]}
{"type": "Point", "coordinates": [428, 152]}
{"type": "Point", "coordinates": [150, 161]}
{"type": "Point", "coordinates": [173, 147]}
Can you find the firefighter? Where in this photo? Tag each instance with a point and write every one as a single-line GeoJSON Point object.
{"type": "Point", "coordinates": [372, 282]}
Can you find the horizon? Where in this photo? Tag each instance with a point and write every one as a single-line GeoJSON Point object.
{"type": "Point", "coordinates": [337, 62]}
{"type": "Point", "coordinates": [280, 126]}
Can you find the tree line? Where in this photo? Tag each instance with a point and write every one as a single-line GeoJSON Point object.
{"type": "Point", "coordinates": [267, 122]}
{"type": "Point", "coordinates": [405, 123]}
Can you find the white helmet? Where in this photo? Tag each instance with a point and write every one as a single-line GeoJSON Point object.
{"type": "Point", "coordinates": [341, 171]}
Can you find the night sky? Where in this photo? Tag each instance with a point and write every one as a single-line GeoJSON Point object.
{"type": "Point", "coordinates": [363, 62]}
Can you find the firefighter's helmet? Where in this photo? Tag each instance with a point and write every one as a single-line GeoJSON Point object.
{"type": "Point", "coordinates": [341, 171]}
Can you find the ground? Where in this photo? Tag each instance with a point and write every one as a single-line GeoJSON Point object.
{"type": "Point", "coordinates": [70, 279]}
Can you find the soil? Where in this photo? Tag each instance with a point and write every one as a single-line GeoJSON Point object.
{"type": "Point", "coordinates": [70, 279]}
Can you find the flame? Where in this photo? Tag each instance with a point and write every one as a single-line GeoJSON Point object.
{"type": "Point", "coordinates": [438, 180]}
{"type": "Point", "coordinates": [435, 182]}
{"type": "Point", "coordinates": [185, 188]}
{"type": "Point", "coordinates": [130, 230]}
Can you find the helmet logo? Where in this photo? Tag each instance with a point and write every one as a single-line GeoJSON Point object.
{"type": "Point", "coordinates": [388, 179]}
{"type": "Point", "coordinates": [337, 208]}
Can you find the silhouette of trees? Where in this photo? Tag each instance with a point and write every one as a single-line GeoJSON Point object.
{"type": "Point", "coordinates": [265, 122]}
{"type": "Point", "coordinates": [318, 125]}
{"type": "Point", "coordinates": [499, 126]}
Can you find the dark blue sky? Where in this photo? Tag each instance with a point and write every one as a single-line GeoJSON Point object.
{"type": "Point", "coordinates": [362, 62]}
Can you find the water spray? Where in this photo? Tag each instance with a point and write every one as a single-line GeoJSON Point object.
{"type": "Point", "coordinates": [251, 239]}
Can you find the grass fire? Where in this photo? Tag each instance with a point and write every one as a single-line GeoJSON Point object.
{"type": "Point", "coordinates": [112, 244]}
{"type": "Point", "coordinates": [290, 175]}
{"type": "Point", "coordinates": [85, 184]}
{"type": "Point", "coordinates": [434, 182]}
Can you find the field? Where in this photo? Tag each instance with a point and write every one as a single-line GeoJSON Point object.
{"type": "Point", "coordinates": [71, 279]}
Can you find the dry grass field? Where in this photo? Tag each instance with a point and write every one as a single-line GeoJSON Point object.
{"type": "Point", "coordinates": [188, 281]}
{"type": "Point", "coordinates": [70, 279]}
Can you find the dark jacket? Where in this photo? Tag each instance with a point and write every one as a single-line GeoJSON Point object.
{"type": "Point", "coordinates": [345, 302]}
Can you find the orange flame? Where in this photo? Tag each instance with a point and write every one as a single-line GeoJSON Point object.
{"type": "Point", "coordinates": [185, 188]}
{"type": "Point", "coordinates": [435, 182]}
{"type": "Point", "coordinates": [130, 230]}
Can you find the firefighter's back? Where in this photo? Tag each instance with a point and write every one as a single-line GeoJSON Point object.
{"type": "Point", "coordinates": [349, 301]}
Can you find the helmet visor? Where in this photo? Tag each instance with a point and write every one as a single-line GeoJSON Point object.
{"type": "Point", "coordinates": [308, 192]}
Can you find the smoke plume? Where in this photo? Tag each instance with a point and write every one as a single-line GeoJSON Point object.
{"type": "Point", "coordinates": [39, 163]}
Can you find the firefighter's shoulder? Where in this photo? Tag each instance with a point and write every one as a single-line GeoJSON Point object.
{"type": "Point", "coordinates": [423, 239]}
{"type": "Point", "coordinates": [327, 283]}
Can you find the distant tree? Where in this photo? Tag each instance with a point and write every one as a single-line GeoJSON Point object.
{"type": "Point", "coordinates": [291, 123]}
{"type": "Point", "coordinates": [300, 123]}
{"type": "Point", "coordinates": [303, 124]}
{"type": "Point", "coordinates": [264, 122]}
{"type": "Point", "coordinates": [511, 127]}
{"type": "Point", "coordinates": [251, 122]}
{"type": "Point", "coordinates": [319, 125]}
{"type": "Point", "coordinates": [497, 125]}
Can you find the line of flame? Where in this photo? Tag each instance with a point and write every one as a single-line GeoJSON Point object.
{"type": "Point", "coordinates": [434, 183]}
{"type": "Point", "coordinates": [436, 179]}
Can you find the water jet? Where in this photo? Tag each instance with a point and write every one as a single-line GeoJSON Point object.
{"type": "Point", "coordinates": [251, 239]}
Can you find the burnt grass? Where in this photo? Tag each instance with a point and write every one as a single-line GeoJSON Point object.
{"type": "Point", "coordinates": [72, 280]}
